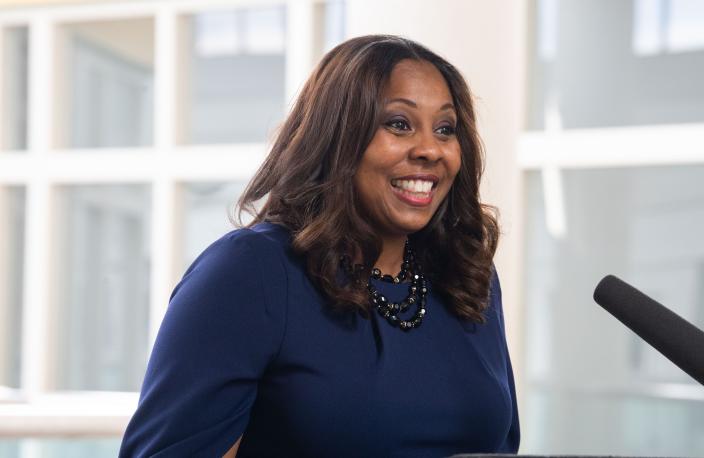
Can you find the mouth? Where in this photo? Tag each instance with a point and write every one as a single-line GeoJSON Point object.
{"type": "Point", "coordinates": [415, 190]}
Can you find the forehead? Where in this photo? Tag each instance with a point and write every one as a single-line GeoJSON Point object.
{"type": "Point", "coordinates": [415, 79]}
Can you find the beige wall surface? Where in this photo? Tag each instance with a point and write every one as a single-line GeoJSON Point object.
{"type": "Point", "coordinates": [485, 40]}
{"type": "Point", "coordinates": [25, 3]}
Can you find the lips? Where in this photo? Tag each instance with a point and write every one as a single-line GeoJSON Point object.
{"type": "Point", "coordinates": [415, 190]}
{"type": "Point", "coordinates": [419, 177]}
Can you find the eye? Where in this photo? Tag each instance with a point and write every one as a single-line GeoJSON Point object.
{"type": "Point", "coordinates": [446, 130]}
{"type": "Point", "coordinates": [398, 124]}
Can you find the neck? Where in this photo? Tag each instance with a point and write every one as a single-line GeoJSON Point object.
{"type": "Point", "coordinates": [391, 255]}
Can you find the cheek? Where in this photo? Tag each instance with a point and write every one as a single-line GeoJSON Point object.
{"type": "Point", "coordinates": [384, 152]}
{"type": "Point", "coordinates": [367, 183]}
{"type": "Point", "coordinates": [376, 165]}
{"type": "Point", "coordinates": [367, 174]}
{"type": "Point", "coordinates": [454, 162]}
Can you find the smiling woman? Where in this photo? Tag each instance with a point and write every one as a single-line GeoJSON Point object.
{"type": "Point", "coordinates": [295, 335]}
{"type": "Point", "coordinates": [411, 162]}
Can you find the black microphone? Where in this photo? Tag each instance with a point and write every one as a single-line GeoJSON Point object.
{"type": "Point", "coordinates": [675, 338]}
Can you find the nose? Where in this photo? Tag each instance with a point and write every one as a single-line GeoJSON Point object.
{"type": "Point", "coordinates": [427, 147]}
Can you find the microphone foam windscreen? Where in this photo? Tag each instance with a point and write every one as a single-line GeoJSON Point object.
{"type": "Point", "coordinates": [678, 340]}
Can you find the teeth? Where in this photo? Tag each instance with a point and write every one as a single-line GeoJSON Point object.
{"type": "Point", "coordinates": [422, 186]}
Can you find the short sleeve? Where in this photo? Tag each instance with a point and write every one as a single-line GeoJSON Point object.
{"type": "Point", "coordinates": [513, 438]}
{"type": "Point", "coordinates": [223, 327]}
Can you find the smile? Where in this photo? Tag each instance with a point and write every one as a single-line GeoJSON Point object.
{"type": "Point", "coordinates": [415, 192]}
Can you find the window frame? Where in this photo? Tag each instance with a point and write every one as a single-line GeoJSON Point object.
{"type": "Point", "coordinates": [165, 165]}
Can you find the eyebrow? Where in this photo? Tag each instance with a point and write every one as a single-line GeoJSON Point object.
{"type": "Point", "coordinates": [411, 103]}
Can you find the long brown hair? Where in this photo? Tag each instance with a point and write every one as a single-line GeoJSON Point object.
{"type": "Point", "coordinates": [308, 176]}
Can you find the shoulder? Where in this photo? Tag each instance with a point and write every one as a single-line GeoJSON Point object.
{"type": "Point", "coordinates": [246, 256]}
{"type": "Point", "coordinates": [264, 244]}
{"type": "Point", "coordinates": [495, 286]}
{"type": "Point", "coordinates": [496, 311]}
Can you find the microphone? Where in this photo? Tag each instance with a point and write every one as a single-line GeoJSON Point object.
{"type": "Point", "coordinates": [675, 338]}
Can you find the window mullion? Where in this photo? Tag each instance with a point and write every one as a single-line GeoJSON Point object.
{"type": "Point", "coordinates": [299, 44]}
{"type": "Point", "coordinates": [163, 186]}
{"type": "Point", "coordinates": [37, 269]}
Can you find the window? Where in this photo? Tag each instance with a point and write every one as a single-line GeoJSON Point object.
{"type": "Point", "coordinates": [100, 320]}
{"type": "Point", "coordinates": [667, 26]}
{"type": "Point", "coordinates": [139, 124]}
{"type": "Point", "coordinates": [612, 177]}
{"type": "Point", "coordinates": [59, 448]}
{"type": "Point", "coordinates": [208, 208]}
{"type": "Point", "coordinates": [107, 83]}
{"type": "Point", "coordinates": [12, 201]}
{"type": "Point", "coordinates": [585, 72]}
{"type": "Point", "coordinates": [13, 91]}
{"type": "Point", "coordinates": [235, 65]}
{"type": "Point", "coordinates": [642, 224]}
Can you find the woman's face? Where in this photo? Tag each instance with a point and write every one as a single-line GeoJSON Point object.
{"type": "Point", "coordinates": [411, 162]}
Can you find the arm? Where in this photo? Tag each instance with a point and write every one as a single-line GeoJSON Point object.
{"type": "Point", "coordinates": [232, 453]}
{"type": "Point", "coordinates": [224, 325]}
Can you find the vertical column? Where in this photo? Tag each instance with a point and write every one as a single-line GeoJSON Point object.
{"type": "Point", "coordinates": [300, 36]}
{"type": "Point", "coordinates": [5, 298]}
{"type": "Point", "coordinates": [4, 252]}
{"type": "Point", "coordinates": [163, 186]}
{"type": "Point", "coordinates": [38, 259]}
{"type": "Point", "coordinates": [3, 67]}
{"type": "Point", "coordinates": [553, 194]}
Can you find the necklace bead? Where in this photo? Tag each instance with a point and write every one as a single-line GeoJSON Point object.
{"type": "Point", "coordinates": [417, 290]}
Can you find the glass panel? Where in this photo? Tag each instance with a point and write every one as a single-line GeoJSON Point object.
{"type": "Point", "coordinates": [207, 207]}
{"type": "Point", "coordinates": [9, 448]}
{"type": "Point", "coordinates": [108, 88]}
{"type": "Point", "coordinates": [610, 424]}
{"type": "Point", "coordinates": [643, 225]}
{"type": "Point", "coordinates": [661, 26]}
{"type": "Point", "coordinates": [94, 447]}
{"type": "Point", "coordinates": [100, 321]}
{"type": "Point", "coordinates": [236, 81]}
{"type": "Point", "coordinates": [12, 221]}
{"type": "Point", "coordinates": [330, 18]}
{"type": "Point", "coordinates": [15, 75]}
{"type": "Point", "coordinates": [604, 63]}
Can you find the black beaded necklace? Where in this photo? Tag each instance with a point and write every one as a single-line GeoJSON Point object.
{"type": "Point", "coordinates": [417, 291]}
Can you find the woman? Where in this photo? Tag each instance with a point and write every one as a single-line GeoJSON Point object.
{"type": "Point", "coordinates": [296, 336]}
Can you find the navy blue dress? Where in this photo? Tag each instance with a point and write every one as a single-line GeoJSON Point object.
{"type": "Point", "coordinates": [248, 347]}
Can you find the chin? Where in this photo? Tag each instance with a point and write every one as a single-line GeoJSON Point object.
{"type": "Point", "coordinates": [412, 226]}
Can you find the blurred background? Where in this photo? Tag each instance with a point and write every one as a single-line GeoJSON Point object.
{"type": "Point", "coordinates": [129, 128]}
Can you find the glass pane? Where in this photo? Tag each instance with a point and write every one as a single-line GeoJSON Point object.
{"type": "Point", "coordinates": [9, 448]}
{"type": "Point", "coordinates": [12, 220]}
{"type": "Point", "coordinates": [330, 18]}
{"type": "Point", "coordinates": [207, 207]}
{"type": "Point", "coordinates": [15, 75]}
{"type": "Point", "coordinates": [100, 320]}
{"type": "Point", "coordinates": [661, 26]}
{"type": "Point", "coordinates": [643, 225]}
{"type": "Point", "coordinates": [236, 86]}
{"type": "Point", "coordinates": [604, 63]}
{"type": "Point", "coordinates": [605, 424]}
{"type": "Point", "coordinates": [108, 88]}
{"type": "Point", "coordinates": [94, 447]}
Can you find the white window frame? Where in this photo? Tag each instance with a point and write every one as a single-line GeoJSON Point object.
{"type": "Point", "coordinates": [554, 150]}
{"type": "Point", "coordinates": [164, 166]}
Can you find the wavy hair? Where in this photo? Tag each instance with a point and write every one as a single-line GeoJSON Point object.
{"type": "Point", "coordinates": [307, 179]}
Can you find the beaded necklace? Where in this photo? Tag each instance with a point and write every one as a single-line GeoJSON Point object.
{"type": "Point", "coordinates": [417, 291]}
